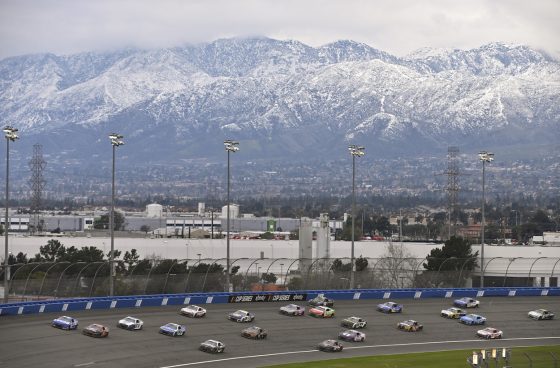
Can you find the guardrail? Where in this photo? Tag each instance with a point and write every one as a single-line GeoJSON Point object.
{"type": "Point", "coordinates": [64, 305]}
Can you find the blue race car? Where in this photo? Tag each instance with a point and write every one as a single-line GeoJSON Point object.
{"type": "Point", "coordinates": [173, 329]}
{"type": "Point", "coordinates": [473, 319]}
{"type": "Point", "coordinates": [390, 307]}
{"type": "Point", "coordinates": [65, 323]}
{"type": "Point", "coordinates": [466, 302]}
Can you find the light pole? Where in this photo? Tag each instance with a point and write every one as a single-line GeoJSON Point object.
{"type": "Point", "coordinates": [231, 146]}
{"type": "Point", "coordinates": [116, 140]}
{"type": "Point", "coordinates": [485, 157]}
{"type": "Point", "coordinates": [11, 135]}
{"type": "Point", "coordinates": [355, 151]}
{"type": "Point", "coordinates": [281, 271]}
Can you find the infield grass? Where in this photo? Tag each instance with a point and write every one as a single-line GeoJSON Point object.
{"type": "Point", "coordinates": [540, 355]}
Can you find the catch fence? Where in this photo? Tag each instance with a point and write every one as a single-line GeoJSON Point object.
{"type": "Point", "coordinates": [52, 280]}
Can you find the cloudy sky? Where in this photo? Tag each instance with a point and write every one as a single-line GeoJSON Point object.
{"type": "Point", "coordinates": [396, 26]}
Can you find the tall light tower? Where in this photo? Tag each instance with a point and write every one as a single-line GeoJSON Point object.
{"type": "Point", "coordinates": [485, 157]}
{"type": "Point", "coordinates": [116, 141]}
{"type": "Point", "coordinates": [355, 151]}
{"type": "Point", "coordinates": [231, 146]}
{"type": "Point", "coordinates": [11, 135]}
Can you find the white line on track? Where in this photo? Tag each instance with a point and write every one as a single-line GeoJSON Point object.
{"type": "Point", "coordinates": [357, 347]}
{"type": "Point", "coordinates": [84, 364]}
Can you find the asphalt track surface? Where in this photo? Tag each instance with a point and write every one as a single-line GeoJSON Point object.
{"type": "Point", "coordinates": [30, 341]}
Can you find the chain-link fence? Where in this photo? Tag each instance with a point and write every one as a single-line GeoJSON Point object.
{"type": "Point", "coordinates": [63, 279]}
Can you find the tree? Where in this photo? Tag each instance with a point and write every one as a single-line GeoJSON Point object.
{"type": "Point", "coordinates": [454, 259]}
{"type": "Point", "coordinates": [396, 267]}
{"type": "Point", "coordinates": [268, 235]}
{"type": "Point", "coordinates": [361, 264]}
{"type": "Point", "coordinates": [103, 222]}
{"type": "Point", "coordinates": [347, 230]}
{"type": "Point", "coordinates": [145, 228]}
{"type": "Point", "coordinates": [53, 251]}
{"type": "Point", "coordinates": [269, 278]}
{"type": "Point", "coordinates": [131, 258]}
{"type": "Point", "coordinates": [295, 283]}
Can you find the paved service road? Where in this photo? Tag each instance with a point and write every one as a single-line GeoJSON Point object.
{"type": "Point", "coordinates": [30, 341]}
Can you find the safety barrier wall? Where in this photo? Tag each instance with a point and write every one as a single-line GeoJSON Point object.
{"type": "Point", "coordinates": [67, 305]}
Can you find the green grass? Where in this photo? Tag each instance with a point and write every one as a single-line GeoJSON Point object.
{"type": "Point", "coordinates": [540, 356]}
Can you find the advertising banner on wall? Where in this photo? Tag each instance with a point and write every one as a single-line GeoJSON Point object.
{"type": "Point", "coordinates": [248, 298]}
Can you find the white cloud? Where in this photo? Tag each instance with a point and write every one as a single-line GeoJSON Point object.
{"type": "Point", "coordinates": [396, 26]}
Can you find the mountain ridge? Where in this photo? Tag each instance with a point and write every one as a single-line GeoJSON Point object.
{"type": "Point", "coordinates": [287, 98]}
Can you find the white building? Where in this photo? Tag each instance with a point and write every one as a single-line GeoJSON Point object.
{"type": "Point", "coordinates": [233, 211]}
{"type": "Point", "coordinates": [154, 210]}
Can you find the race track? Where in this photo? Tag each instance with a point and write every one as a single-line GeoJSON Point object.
{"type": "Point", "coordinates": [30, 341]}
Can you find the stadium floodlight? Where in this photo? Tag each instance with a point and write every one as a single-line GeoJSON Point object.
{"type": "Point", "coordinates": [230, 146]}
{"type": "Point", "coordinates": [485, 157]}
{"type": "Point", "coordinates": [355, 151]}
{"type": "Point", "coordinates": [116, 141]}
{"type": "Point", "coordinates": [11, 135]}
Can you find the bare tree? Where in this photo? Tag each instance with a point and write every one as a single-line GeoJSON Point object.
{"type": "Point", "coordinates": [397, 267]}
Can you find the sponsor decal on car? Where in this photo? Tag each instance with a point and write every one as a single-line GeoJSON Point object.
{"type": "Point", "coordinates": [266, 298]}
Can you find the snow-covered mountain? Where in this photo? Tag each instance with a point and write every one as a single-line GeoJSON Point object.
{"type": "Point", "coordinates": [282, 98]}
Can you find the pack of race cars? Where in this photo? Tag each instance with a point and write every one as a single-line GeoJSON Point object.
{"type": "Point", "coordinates": [320, 307]}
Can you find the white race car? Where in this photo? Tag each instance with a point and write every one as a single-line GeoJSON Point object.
{"type": "Point", "coordinates": [193, 311]}
{"type": "Point", "coordinates": [540, 314]}
{"type": "Point", "coordinates": [131, 323]}
{"type": "Point", "coordinates": [490, 333]}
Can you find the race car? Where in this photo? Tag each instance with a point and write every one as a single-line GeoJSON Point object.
{"type": "Point", "coordinates": [65, 323]}
{"type": "Point", "coordinates": [130, 323]}
{"type": "Point", "coordinates": [96, 330]}
{"type": "Point", "coordinates": [330, 345]}
{"type": "Point", "coordinates": [193, 311]}
{"type": "Point", "coordinates": [466, 302]}
{"type": "Point", "coordinates": [254, 332]}
{"type": "Point", "coordinates": [490, 333]}
{"type": "Point", "coordinates": [173, 329]}
{"type": "Point", "coordinates": [410, 326]}
{"type": "Point", "coordinates": [453, 313]}
{"type": "Point", "coordinates": [292, 310]}
{"type": "Point", "coordinates": [541, 314]}
{"type": "Point", "coordinates": [353, 322]}
{"type": "Point", "coordinates": [472, 319]}
{"type": "Point", "coordinates": [321, 300]}
{"type": "Point", "coordinates": [323, 312]}
{"type": "Point", "coordinates": [241, 316]}
{"type": "Point", "coordinates": [390, 307]}
{"type": "Point", "coordinates": [352, 335]}
{"type": "Point", "coordinates": [212, 346]}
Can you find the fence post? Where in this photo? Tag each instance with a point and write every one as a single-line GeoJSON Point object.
{"type": "Point", "coordinates": [80, 273]}
{"type": "Point", "coordinates": [95, 276]}
{"type": "Point", "coordinates": [148, 276]}
{"type": "Point", "coordinates": [531, 269]}
{"type": "Point", "coordinates": [167, 276]}
{"type": "Point", "coordinates": [288, 271]}
{"type": "Point", "coordinates": [247, 273]}
{"type": "Point", "coordinates": [189, 274]}
{"type": "Point", "coordinates": [28, 276]}
{"type": "Point", "coordinates": [44, 277]}
{"type": "Point", "coordinates": [511, 260]}
{"type": "Point", "coordinates": [60, 278]}
{"type": "Point", "coordinates": [12, 278]}
{"type": "Point", "coordinates": [208, 269]}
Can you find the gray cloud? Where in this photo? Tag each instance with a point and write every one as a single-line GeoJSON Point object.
{"type": "Point", "coordinates": [396, 26]}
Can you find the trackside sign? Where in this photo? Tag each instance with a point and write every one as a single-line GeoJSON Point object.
{"type": "Point", "coordinates": [248, 298]}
